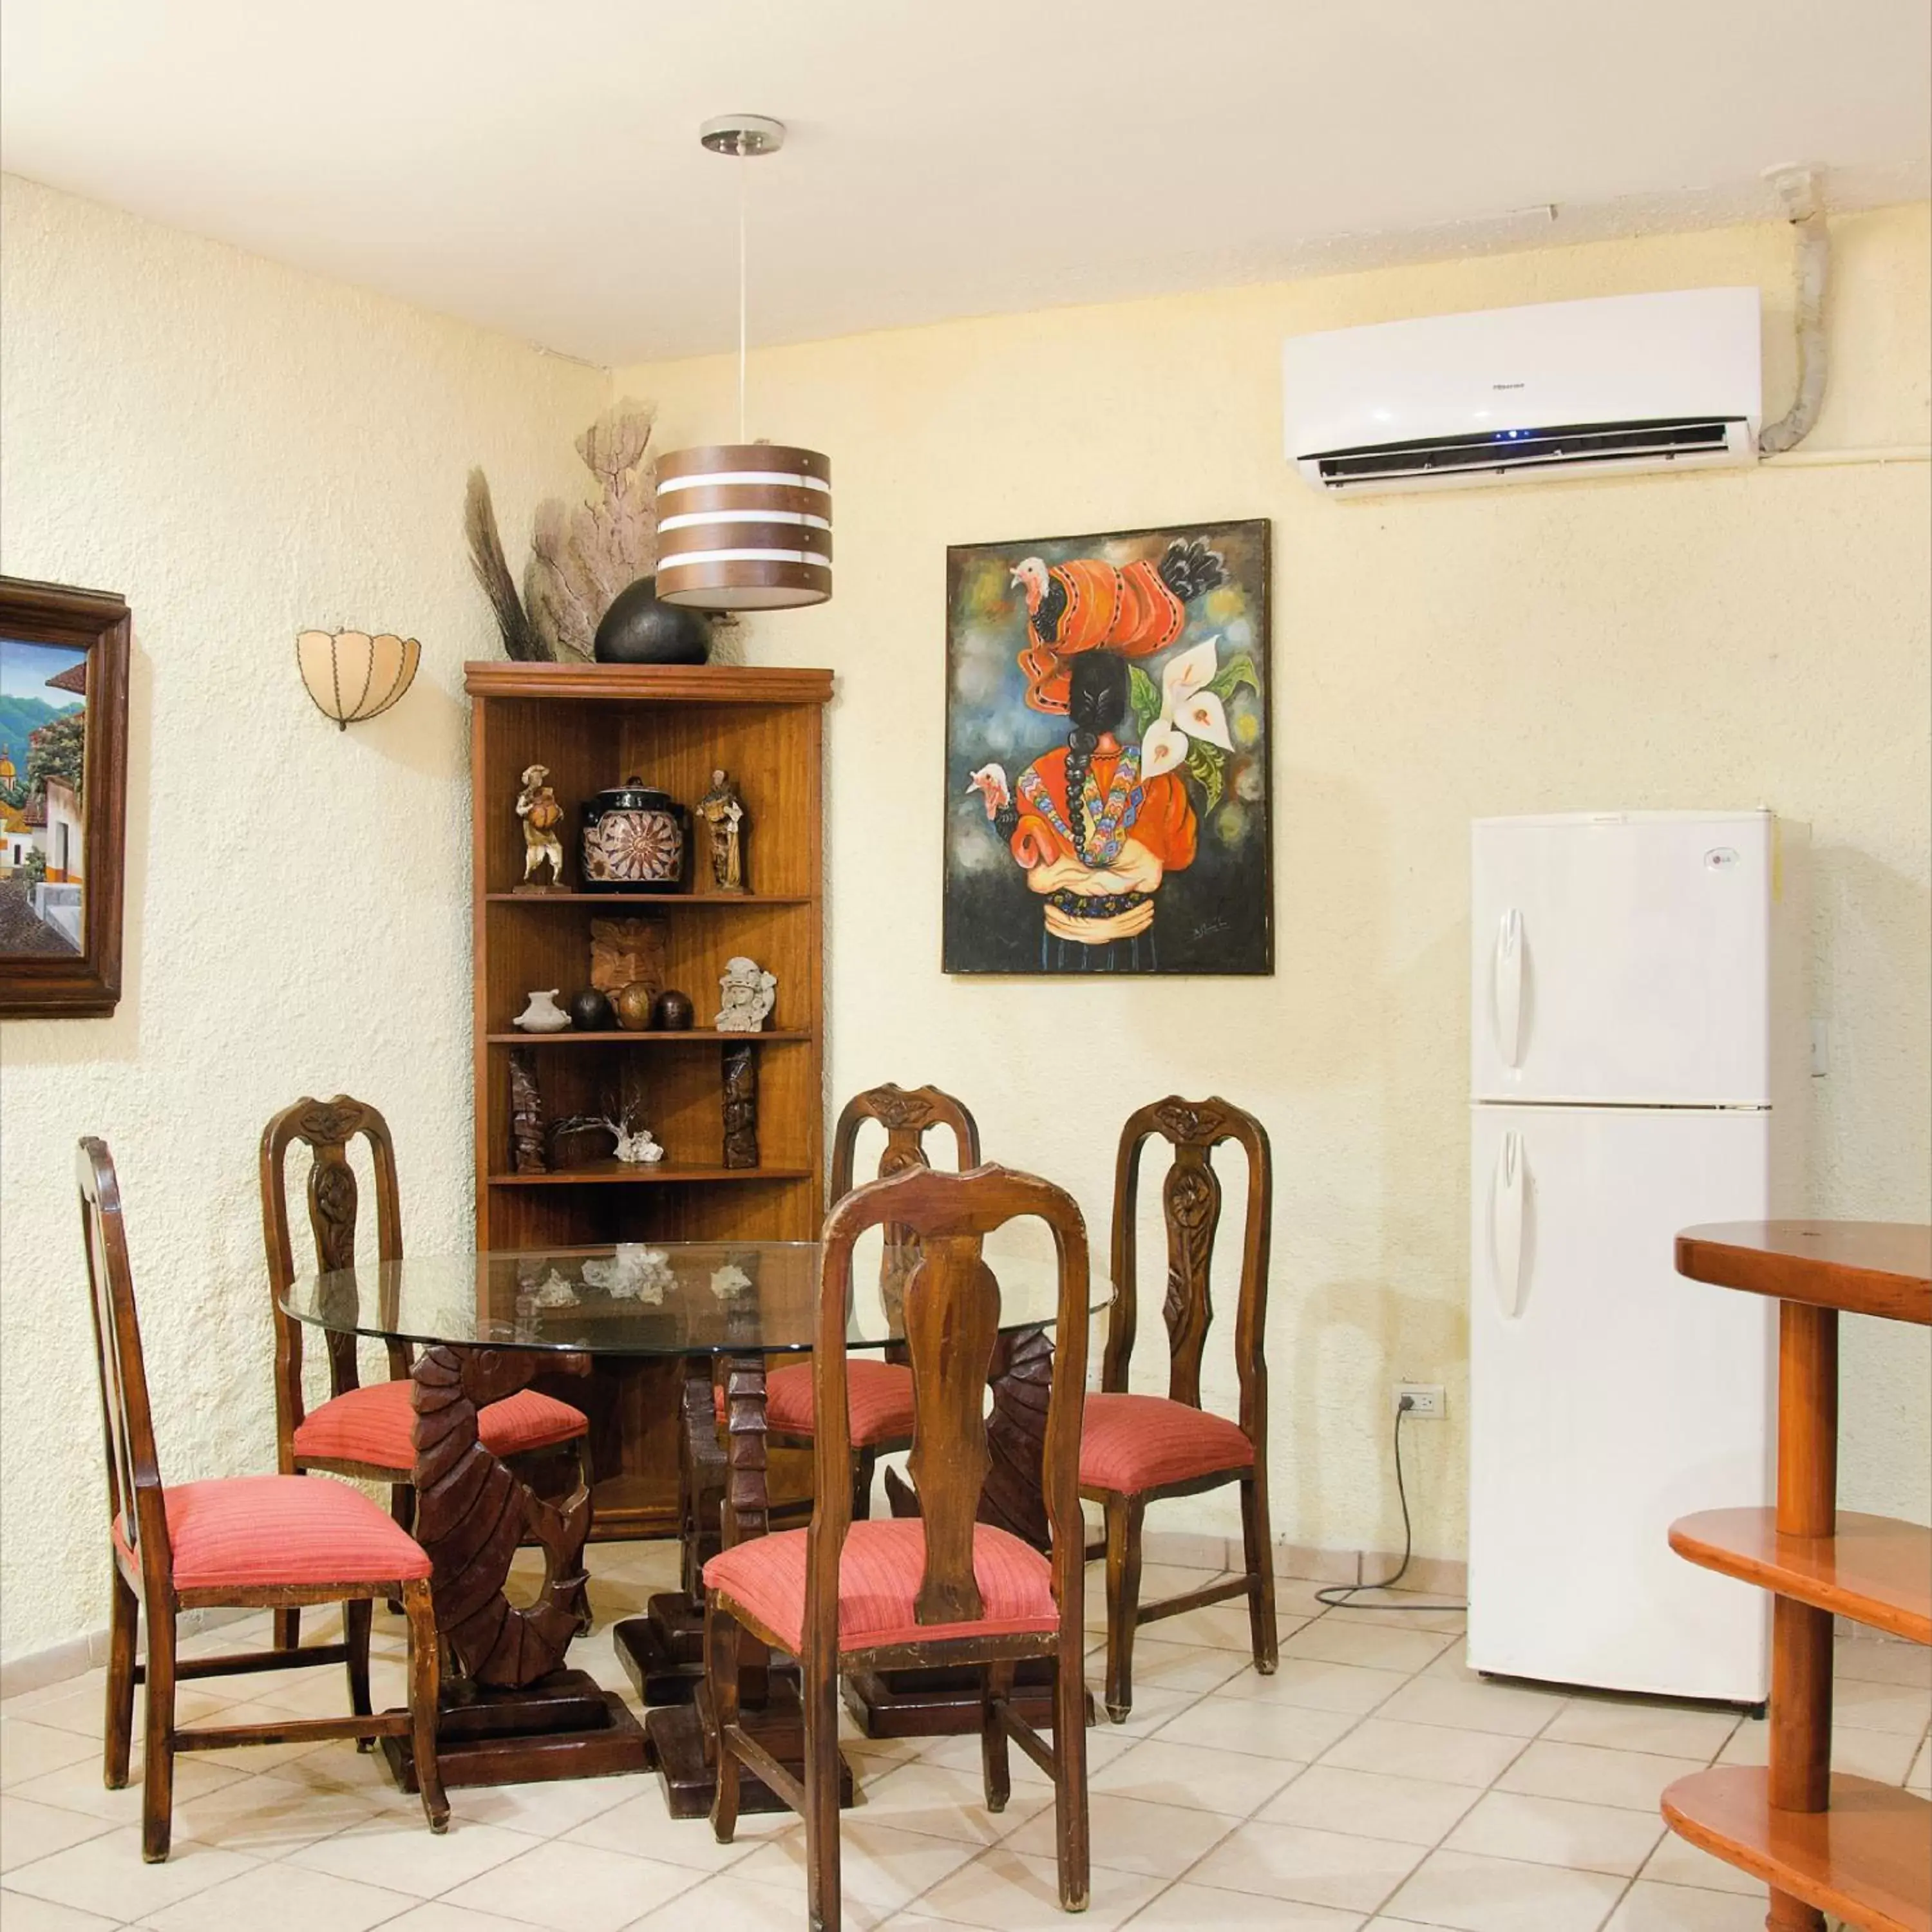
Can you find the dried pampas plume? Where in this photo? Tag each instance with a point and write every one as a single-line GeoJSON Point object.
{"type": "Point", "coordinates": [582, 554]}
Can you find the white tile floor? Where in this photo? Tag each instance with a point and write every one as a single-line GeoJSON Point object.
{"type": "Point", "coordinates": [1371, 1785]}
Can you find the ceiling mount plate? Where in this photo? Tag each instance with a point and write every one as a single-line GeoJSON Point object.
{"type": "Point", "coordinates": [743, 135]}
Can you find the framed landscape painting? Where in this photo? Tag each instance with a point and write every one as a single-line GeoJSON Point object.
{"type": "Point", "coordinates": [63, 787]}
{"type": "Point", "coordinates": [1107, 795]}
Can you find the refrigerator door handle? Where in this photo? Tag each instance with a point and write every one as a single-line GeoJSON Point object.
{"type": "Point", "coordinates": [1506, 1225]}
{"type": "Point", "coordinates": [1509, 965]}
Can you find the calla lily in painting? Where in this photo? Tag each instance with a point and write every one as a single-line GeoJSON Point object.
{"type": "Point", "coordinates": [1163, 748]}
{"type": "Point", "coordinates": [1187, 710]}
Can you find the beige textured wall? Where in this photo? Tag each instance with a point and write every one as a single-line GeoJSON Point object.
{"type": "Point", "coordinates": [1725, 640]}
{"type": "Point", "coordinates": [242, 451]}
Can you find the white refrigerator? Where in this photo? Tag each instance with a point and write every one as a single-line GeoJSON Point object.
{"type": "Point", "coordinates": [1639, 1062]}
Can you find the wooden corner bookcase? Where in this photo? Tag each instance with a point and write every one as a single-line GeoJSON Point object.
{"type": "Point", "coordinates": [594, 725]}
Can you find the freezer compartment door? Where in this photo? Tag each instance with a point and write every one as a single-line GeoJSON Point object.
{"type": "Point", "coordinates": [1609, 1396]}
{"type": "Point", "coordinates": [1623, 959]}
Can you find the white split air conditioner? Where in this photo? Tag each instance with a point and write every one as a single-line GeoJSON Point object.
{"type": "Point", "coordinates": [1618, 384]}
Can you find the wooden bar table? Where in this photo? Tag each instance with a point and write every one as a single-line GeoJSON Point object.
{"type": "Point", "coordinates": [1822, 1842]}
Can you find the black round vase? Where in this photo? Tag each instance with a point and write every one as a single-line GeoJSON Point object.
{"type": "Point", "coordinates": [637, 629]}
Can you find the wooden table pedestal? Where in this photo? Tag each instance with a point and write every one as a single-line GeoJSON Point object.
{"type": "Point", "coordinates": [510, 1712]}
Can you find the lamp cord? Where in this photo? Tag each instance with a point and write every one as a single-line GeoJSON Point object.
{"type": "Point", "coordinates": [1337, 1596]}
{"type": "Point", "coordinates": [744, 164]}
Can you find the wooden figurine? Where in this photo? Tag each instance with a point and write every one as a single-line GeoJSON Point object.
{"type": "Point", "coordinates": [741, 1105]}
{"type": "Point", "coordinates": [749, 993]}
{"type": "Point", "coordinates": [527, 1115]}
{"type": "Point", "coordinates": [537, 808]}
{"type": "Point", "coordinates": [624, 951]}
{"type": "Point", "coordinates": [723, 812]}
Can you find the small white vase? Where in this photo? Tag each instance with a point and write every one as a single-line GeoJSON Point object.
{"type": "Point", "coordinates": [543, 1014]}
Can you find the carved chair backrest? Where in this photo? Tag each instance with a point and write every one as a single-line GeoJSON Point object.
{"type": "Point", "coordinates": [952, 1327]}
{"type": "Point", "coordinates": [134, 1498]}
{"type": "Point", "coordinates": [1191, 1205]}
{"type": "Point", "coordinates": [326, 1128]}
{"type": "Point", "coordinates": [907, 1115]}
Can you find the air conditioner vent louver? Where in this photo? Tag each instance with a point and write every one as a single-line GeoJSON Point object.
{"type": "Point", "coordinates": [1524, 449]}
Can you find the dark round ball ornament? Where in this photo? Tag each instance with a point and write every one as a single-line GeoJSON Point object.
{"type": "Point", "coordinates": [590, 1011]}
{"type": "Point", "coordinates": [637, 629]}
{"type": "Point", "coordinates": [672, 1011]}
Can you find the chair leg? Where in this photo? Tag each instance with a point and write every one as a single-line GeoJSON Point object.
{"type": "Point", "coordinates": [357, 1614]}
{"type": "Point", "coordinates": [820, 1686]}
{"type": "Point", "coordinates": [157, 1785]}
{"type": "Point", "coordinates": [1259, 1547]}
{"type": "Point", "coordinates": [288, 1629]}
{"type": "Point", "coordinates": [865, 1461]}
{"type": "Point", "coordinates": [123, 1628]}
{"type": "Point", "coordinates": [996, 1684]}
{"type": "Point", "coordinates": [425, 1660]}
{"type": "Point", "coordinates": [1123, 1600]}
{"type": "Point", "coordinates": [1071, 1842]}
{"type": "Point", "coordinates": [721, 1684]}
{"type": "Point", "coordinates": [402, 1509]}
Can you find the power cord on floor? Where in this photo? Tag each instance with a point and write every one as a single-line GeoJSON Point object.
{"type": "Point", "coordinates": [1337, 1596]}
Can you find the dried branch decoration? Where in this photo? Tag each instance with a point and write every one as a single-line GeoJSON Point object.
{"type": "Point", "coordinates": [581, 555]}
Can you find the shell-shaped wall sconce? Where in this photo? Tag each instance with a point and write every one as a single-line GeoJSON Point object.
{"type": "Point", "coordinates": [351, 676]}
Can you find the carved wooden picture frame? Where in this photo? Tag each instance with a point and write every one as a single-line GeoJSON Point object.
{"type": "Point", "coordinates": [63, 798]}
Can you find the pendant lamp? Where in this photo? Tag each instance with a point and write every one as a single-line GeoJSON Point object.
{"type": "Point", "coordinates": [744, 525]}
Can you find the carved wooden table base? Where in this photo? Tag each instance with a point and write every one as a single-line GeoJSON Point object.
{"type": "Point", "coordinates": [945, 1703]}
{"type": "Point", "coordinates": [510, 1711]}
{"type": "Point", "coordinates": [662, 1650]}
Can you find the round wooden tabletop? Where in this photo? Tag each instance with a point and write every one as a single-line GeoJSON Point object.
{"type": "Point", "coordinates": [1867, 1268]}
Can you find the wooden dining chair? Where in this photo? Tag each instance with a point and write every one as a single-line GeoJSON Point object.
{"type": "Point", "coordinates": [237, 1540]}
{"type": "Point", "coordinates": [939, 1589]}
{"type": "Point", "coordinates": [878, 1392]}
{"type": "Point", "coordinates": [1138, 1449]}
{"type": "Point", "coordinates": [363, 1431]}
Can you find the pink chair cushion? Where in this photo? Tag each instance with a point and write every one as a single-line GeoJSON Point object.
{"type": "Point", "coordinates": [238, 1532]}
{"type": "Point", "coordinates": [373, 1425]}
{"type": "Point", "coordinates": [879, 1572]}
{"type": "Point", "coordinates": [1129, 1443]}
{"type": "Point", "coordinates": [878, 1402]}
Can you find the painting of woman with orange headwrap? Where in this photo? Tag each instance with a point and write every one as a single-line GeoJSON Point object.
{"type": "Point", "coordinates": [1106, 754]}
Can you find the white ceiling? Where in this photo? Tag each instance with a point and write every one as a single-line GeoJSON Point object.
{"type": "Point", "coordinates": [533, 164]}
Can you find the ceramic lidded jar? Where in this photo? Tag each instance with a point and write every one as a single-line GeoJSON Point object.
{"type": "Point", "coordinates": [634, 838]}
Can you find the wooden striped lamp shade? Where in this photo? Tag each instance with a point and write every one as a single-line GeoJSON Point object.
{"type": "Point", "coordinates": [744, 527]}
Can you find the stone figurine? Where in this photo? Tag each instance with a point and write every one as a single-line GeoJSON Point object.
{"type": "Point", "coordinates": [723, 812]}
{"type": "Point", "coordinates": [541, 814]}
{"type": "Point", "coordinates": [741, 1105]}
{"type": "Point", "coordinates": [749, 993]}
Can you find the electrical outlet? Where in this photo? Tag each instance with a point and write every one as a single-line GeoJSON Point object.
{"type": "Point", "coordinates": [1426, 1403]}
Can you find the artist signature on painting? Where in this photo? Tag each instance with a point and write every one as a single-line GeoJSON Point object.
{"type": "Point", "coordinates": [1208, 927]}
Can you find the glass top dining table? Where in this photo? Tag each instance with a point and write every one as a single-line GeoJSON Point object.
{"type": "Point", "coordinates": [484, 1324]}
{"type": "Point", "coordinates": [661, 1298]}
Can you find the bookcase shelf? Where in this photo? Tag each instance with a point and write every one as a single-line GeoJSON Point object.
{"type": "Point", "coordinates": [593, 726]}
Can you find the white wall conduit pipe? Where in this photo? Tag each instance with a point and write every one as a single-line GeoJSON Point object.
{"type": "Point", "coordinates": [1797, 187]}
